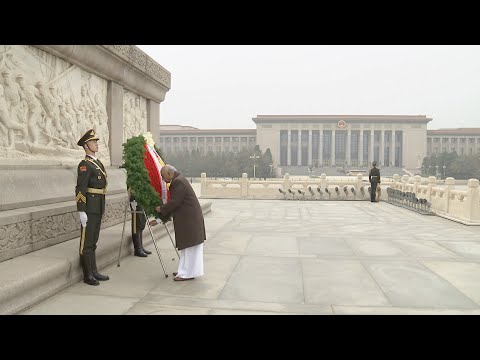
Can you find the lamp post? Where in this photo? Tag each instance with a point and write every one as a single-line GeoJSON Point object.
{"type": "Point", "coordinates": [444, 171]}
{"type": "Point", "coordinates": [254, 157]}
{"type": "Point", "coordinates": [437, 174]}
{"type": "Point", "coordinates": [271, 169]}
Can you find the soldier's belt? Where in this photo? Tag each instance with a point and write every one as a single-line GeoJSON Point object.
{"type": "Point", "coordinates": [97, 191]}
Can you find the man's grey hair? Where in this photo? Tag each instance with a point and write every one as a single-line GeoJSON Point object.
{"type": "Point", "coordinates": [170, 168]}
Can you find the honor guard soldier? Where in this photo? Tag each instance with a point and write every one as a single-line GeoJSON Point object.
{"type": "Point", "coordinates": [90, 196]}
{"type": "Point", "coordinates": [374, 178]}
{"type": "Point", "coordinates": [138, 225]}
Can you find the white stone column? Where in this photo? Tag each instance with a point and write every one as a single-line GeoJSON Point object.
{"type": "Point", "coordinates": [417, 180]}
{"type": "Point", "coordinates": [359, 183]}
{"type": "Point", "coordinates": [332, 155]}
{"type": "Point", "coordinates": [153, 119]}
{"type": "Point", "coordinates": [371, 154]}
{"type": "Point", "coordinates": [404, 148]}
{"type": "Point", "coordinates": [323, 181]}
{"type": "Point", "coordinates": [473, 213]}
{"type": "Point", "coordinates": [244, 185]}
{"type": "Point", "coordinates": [396, 182]}
{"type": "Point", "coordinates": [115, 122]}
{"type": "Point", "coordinates": [299, 148]}
{"type": "Point", "coordinates": [203, 183]}
{"type": "Point", "coordinates": [286, 182]}
{"type": "Point", "coordinates": [449, 186]}
{"type": "Point", "coordinates": [310, 159]}
{"type": "Point", "coordinates": [349, 147]}
{"type": "Point", "coordinates": [405, 179]}
{"type": "Point", "coordinates": [360, 151]}
{"type": "Point", "coordinates": [432, 181]}
{"type": "Point", "coordinates": [289, 144]}
{"type": "Point", "coordinates": [320, 147]}
{"type": "Point", "coordinates": [392, 149]}
{"type": "Point", "coordinates": [381, 151]}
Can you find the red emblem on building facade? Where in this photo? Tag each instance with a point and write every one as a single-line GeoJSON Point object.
{"type": "Point", "coordinates": [341, 124]}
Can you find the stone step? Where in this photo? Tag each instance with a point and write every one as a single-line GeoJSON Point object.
{"type": "Point", "coordinates": [31, 278]}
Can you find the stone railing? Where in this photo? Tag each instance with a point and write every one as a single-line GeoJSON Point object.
{"type": "Point", "coordinates": [459, 205]}
{"type": "Point", "coordinates": [322, 188]}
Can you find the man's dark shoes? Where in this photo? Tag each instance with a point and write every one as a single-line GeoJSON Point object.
{"type": "Point", "coordinates": [176, 278]}
{"type": "Point", "coordinates": [100, 277]}
{"type": "Point", "coordinates": [91, 281]}
{"type": "Point", "coordinates": [140, 253]}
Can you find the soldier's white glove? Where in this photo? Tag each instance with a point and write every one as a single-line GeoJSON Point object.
{"type": "Point", "coordinates": [133, 204]}
{"type": "Point", "coordinates": [83, 218]}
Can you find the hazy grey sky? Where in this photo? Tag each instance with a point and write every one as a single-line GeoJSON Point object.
{"type": "Point", "coordinates": [225, 86]}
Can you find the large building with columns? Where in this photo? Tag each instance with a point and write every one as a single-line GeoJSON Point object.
{"type": "Point", "coordinates": [344, 140]}
{"type": "Point", "coordinates": [175, 138]}
{"type": "Point", "coordinates": [330, 140]}
{"type": "Point", "coordinates": [463, 141]}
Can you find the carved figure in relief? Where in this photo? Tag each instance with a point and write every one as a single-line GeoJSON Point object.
{"type": "Point", "coordinates": [13, 99]}
{"type": "Point", "coordinates": [52, 122]}
{"type": "Point", "coordinates": [85, 105]}
{"type": "Point", "coordinates": [33, 109]}
{"type": "Point", "coordinates": [69, 126]}
{"type": "Point", "coordinates": [8, 124]}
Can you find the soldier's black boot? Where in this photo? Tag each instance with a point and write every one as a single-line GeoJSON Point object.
{"type": "Point", "coordinates": [140, 234]}
{"type": "Point", "coordinates": [87, 270]}
{"type": "Point", "coordinates": [137, 246]}
{"type": "Point", "coordinates": [95, 272]}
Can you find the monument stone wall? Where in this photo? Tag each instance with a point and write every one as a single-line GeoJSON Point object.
{"type": "Point", "coordinates": [50, 95]}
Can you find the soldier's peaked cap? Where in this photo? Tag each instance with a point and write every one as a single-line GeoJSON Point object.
{"type": "Point", "coordinates": [89, 135]}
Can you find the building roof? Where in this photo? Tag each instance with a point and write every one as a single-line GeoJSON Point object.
{"type": "Point", "coordinates": [207, 132]}
{"type": "Point", "coordinates": [177, 127]}
{"type": "Point", "coordinates": [336, 118]}
{"type": "Point", "coordinates": [454, 132]}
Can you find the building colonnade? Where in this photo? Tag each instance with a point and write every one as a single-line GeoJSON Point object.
{"type": "Point", "coordinates": [341, 147]}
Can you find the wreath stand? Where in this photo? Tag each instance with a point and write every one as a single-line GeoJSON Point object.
{"type": "Point", "coordinates": [133, 212]}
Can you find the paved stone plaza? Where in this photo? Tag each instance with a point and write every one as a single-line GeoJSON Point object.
{"type": "Point", "coordinates": [294, 257]}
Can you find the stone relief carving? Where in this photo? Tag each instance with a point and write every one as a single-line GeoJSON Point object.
{"type": "Point", "coordinates": [138, 57]}
{"type": "Point", "coordinates": [54, 226]}
{"type": "Point", "coordinates": [13, 236]}
{"type": "Point", "coordinates": [155, 70]}
{"type": "Point", "coordinates": [134, 115]}
{"type": "Point", "coordinates": [113, 212]}
{"type": "Point", "coordinates": [17, 235]}
{"type": "Point", "coordinates": [47, 104]}
{"type": "Point", "coordinates": [142, 61]}
{"type": "Point", "coordinates": [123, 49]}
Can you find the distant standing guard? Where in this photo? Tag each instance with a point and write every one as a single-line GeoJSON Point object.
{"type": "Point", "coordinates": [90, 196]}
{"type": "Point", "coordinates": [374, 178]}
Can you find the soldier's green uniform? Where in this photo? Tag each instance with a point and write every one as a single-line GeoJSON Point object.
{"type": "Point", "coordinates": [374, 178]}
{"type": "Point", "coordinates": [90, 196]}
{"type": "Point", "coordinates": [138, 225]}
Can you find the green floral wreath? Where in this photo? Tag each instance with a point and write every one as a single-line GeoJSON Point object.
{"type": "Point", "coordinates": [138, 179]}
